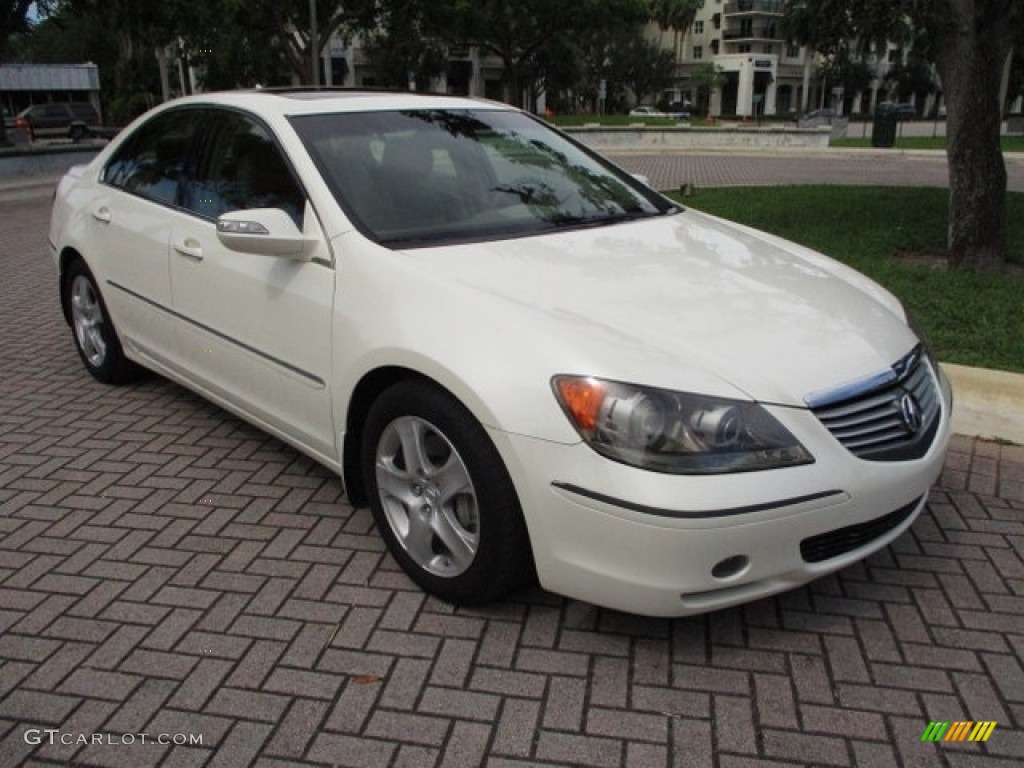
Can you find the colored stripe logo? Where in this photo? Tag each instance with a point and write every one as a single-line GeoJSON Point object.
{"type": "Point", "coordinates": [958, 730]}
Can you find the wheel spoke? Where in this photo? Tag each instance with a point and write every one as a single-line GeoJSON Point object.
{"type": "Point", "coordinates": [411, 433]}
{"type": "Point", "coordinates": [419, 537]}
{"type": "Point", "coordinates": [451, 479]}
{"type": "Point", "coordinates": [394, 482]}
{"type": "Point", "coordinates": [460, 543]}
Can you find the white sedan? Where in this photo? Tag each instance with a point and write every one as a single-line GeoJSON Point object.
{"type": "Point", "coordinates": [530, 365]}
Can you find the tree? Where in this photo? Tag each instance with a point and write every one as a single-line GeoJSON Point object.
{"type": "Point", "coordinates": [14, 20]}
{"type": "Point", "coordinates": [969, 42]}
{"type": "Point", "coordinates": [706, 78]}
{"type": "Point", "coordinates": [912, 79]}
{"type": "Point", "coordinates": [516, 30]}
{"type": "Point", "coordinates": [644, 67]}
{"type": "Point", "coordinates": [677, 15]}
{"type": "Point", "coordinates": [291, 26]}
{"type": "Point", "coordinates": [846, 71]}
{"type": "Point", "coordinates": [807, 25]}
{"type": "Point", "coordinates": [399, 49]}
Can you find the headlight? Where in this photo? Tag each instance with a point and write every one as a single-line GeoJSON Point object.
{"type": "Point", "coordinates": [676, 432]}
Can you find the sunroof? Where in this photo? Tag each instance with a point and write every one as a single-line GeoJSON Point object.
{"type": "Point", "coordinates": [310, 94]}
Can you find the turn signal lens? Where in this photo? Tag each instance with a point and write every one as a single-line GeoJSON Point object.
{"type": "Point", "coordinates": [581, 398]}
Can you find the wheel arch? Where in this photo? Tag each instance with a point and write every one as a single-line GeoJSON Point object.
{"type": "Point", "coordinates": [366, 391]}
{"type": "Point", "coordinates": [67, 257]}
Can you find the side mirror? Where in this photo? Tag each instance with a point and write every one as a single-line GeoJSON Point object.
{"type": "Point", "coordinates": [266, 231]}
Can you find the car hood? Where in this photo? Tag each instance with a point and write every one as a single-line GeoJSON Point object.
{"type": "Point", "coordinates": [685, 301]}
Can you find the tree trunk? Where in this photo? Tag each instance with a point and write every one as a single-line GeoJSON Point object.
{"type": "Point", "coordinates": [805, 97]}
{"type": "Point", "coordinates": [165, 78]}
{"type": "Point", "coordinates": [970, 53]}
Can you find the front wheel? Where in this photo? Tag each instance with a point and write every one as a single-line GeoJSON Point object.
{"type": "Point", "coordinates": [442, 498]}
{"type": "Point", "coordinates": [95, 337]}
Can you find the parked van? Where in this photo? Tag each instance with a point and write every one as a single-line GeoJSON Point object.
{"type": "Point", "coordinates": [73, 119]}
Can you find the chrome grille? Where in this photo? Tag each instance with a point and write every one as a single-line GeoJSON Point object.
{"type": "Point", "coordinates": [890, 417]}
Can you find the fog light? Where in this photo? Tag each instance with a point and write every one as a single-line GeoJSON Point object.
{"type": "Point", "coordinates": [731, 566]}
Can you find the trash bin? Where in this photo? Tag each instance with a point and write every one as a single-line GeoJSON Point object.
{"type": "Point", "coordinates": [883, 130]}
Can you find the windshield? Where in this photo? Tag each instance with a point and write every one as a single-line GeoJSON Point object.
{"type": "Point", "coordinates": [425, 177]}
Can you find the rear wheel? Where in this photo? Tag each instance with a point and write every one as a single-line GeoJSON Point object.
{"type": "Point", "coordinates": [95, 337]}
{"type": "Point", "coordinates": [441, 496]}
{"type": "Point", "coordinates": [77, 132]}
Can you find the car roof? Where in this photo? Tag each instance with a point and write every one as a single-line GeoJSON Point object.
{"type": "Point", "coordinates": [308, 101]}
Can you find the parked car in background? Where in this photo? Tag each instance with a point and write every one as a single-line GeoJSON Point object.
{"type": "Point", "coordinates": [903, 111]}
{"type": "Point", "coordinates": [678, 110]}
{"type": "Point", "coordinates": [529, 364]}
{"type": "Point", "coordinates": [71, 119]}
{"type": "Point", "coordinates": [646, 111]}
{"type": "Point", "coordinates": [817, 117]}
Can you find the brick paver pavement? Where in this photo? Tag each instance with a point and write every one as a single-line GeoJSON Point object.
{"type": "Point", "coordinates": [166, 569]}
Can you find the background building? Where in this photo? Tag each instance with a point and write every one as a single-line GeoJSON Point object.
{"type": "Point", "coordinates": [22, 85]}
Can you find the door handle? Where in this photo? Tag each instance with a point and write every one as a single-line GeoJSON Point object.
{"type": "Point", "coordinates": [190, 249]}
{"type": "Point", "coordinates": [102, 214]}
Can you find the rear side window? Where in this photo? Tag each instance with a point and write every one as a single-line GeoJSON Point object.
{"type": "Point", "coordinates": [154, 162]}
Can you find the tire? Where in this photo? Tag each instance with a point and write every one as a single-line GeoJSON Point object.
{"type": "Point", "coordinates": [94, 334]}
{"type": "Point", "coordinates": [77, 133]}
{"type": "Point", "coordinates": [450, 515]}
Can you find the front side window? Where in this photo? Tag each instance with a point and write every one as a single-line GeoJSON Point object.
{"type": "Point", "coordinates": [239, 167]}
{"type": "Point", "coordinates": [426, 177]}
{"type": "Point", "coordinates": [153, 163]}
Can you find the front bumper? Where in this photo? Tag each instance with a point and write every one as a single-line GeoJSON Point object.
{"type": "Point", "coordinates": [664, 545]}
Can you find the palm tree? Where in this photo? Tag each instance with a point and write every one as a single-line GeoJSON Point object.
{"type": "Point", "coordinates": [677, 15]}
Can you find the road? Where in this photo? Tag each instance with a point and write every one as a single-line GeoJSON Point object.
{"type": "Point", "coordinates": [167, 569]}
{"type": "Point", "coordinates": [762, 168]}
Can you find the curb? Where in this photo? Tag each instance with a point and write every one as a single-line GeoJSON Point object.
{"type": "Point", "coordinates": [987, 403]}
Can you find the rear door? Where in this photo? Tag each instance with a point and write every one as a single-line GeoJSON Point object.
{"type": "Point", "coordinates": [131, 216]}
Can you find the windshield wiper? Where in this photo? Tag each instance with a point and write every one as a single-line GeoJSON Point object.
{"type": "Point", "coordinates": [575, 220]}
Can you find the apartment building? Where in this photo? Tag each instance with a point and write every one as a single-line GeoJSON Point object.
{"type": "Point", "coordinates": [763, 74]}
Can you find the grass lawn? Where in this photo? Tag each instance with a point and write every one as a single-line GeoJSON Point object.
{"type": "Point", "coordinates": [897, 236]}
{"type": "Point", "coordinates": [1010, 143]}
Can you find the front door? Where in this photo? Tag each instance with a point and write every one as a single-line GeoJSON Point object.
{"type": "Point", "coordinates": [255, 330]}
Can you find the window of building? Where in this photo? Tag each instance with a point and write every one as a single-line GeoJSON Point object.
{"type": "Point", "coordinates": [698, 27]}
{"type": "Point", "coordinates": [698, 52]}
{"type": "Point", "coordinates": [793, 51]}
{"type": "Point", "coordinates": [744, 48]}
{"type": "Point", "coordinates": [714, 47]}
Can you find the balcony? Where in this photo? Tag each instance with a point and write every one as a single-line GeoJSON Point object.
{"type": "Point", "coordinates": [774, 7]}
{"type": "Point", "coordinates": [764, 32]}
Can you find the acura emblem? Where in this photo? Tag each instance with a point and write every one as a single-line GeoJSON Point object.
{"type": "Point", "coordinates": [910, 413]}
